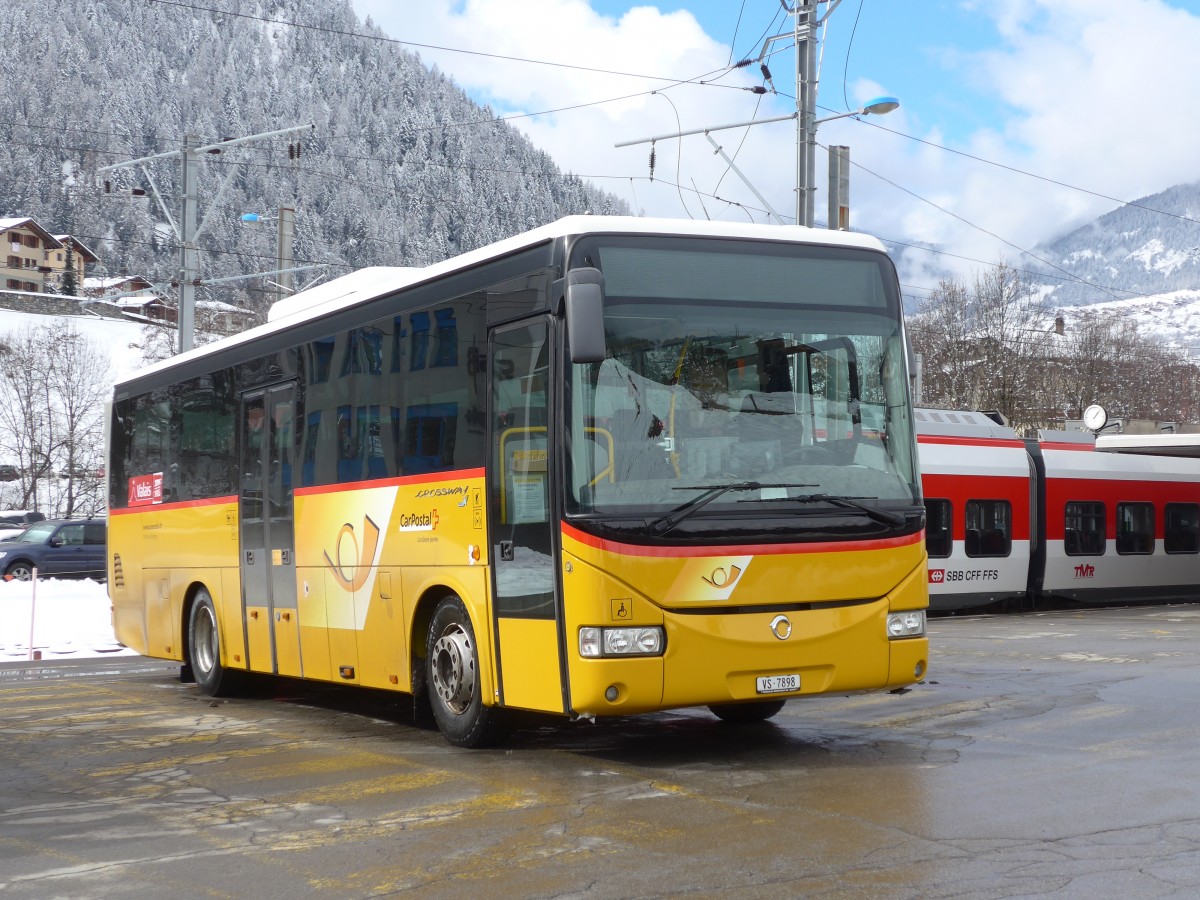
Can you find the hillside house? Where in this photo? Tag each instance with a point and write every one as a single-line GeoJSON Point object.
{"type": "Point", "coordinates": [75, 252]}
{"type": "Point", "coordinates": [27, 247]}
{"type": "Point", "coordinates": [34, 260]}
{"type": "Point", "coordinates": [110, 287]}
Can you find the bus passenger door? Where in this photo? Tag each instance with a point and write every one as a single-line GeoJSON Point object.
{"type": "Point", "coordinates": [267, 540]}
{"type": "Point", "coordinates": [526, 610]}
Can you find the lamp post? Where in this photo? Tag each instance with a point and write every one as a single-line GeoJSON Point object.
{"type": "Point", "coordinates": [806, 156]}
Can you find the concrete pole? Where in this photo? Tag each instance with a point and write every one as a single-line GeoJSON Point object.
{"type": "Point", "coordinates": [283, 260]}
{"type": "Point", "coordinates": [839, 187]}
{"type": "Point", "coordinates": [189, 257]}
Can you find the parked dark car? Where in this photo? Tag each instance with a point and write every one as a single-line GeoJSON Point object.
{"type": "Point", "coordinates": [9, 473]}
{"type": "Point", "coordinates": [59, 548]}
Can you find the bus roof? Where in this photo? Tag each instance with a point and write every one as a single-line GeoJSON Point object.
{"type": "Point", "coordinates": [367, 284]}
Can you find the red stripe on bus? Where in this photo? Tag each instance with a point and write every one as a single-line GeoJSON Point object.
{"type": "Point", "coordinates": [179, 504]}
{"type": "Point", "coordinates": [739, 549]}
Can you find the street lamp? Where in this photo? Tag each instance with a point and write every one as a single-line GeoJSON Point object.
{"type": "Point", "coordinates": [806, 151]}
{"type": "Point", "coordinates": [880, 106]}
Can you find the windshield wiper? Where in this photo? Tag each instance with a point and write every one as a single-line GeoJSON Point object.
{"type": "Point", "coordinates": [886, 516]}
{"type": "Point", "coordinates": [663, 524]}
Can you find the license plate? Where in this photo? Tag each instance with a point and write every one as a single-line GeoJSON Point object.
{"type": "Point", "coordinates": [778, 684]}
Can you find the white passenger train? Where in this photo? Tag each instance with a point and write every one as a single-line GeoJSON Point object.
{"type": "Point", "coordinates": [1063, 517]}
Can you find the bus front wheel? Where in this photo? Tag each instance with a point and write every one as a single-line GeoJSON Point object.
{"type": "Point", "coordinates": [204, 649]}
{"type": "Point", "coordinates": [452, 676]}
{"type": "Point", "coordinates": [758, 711]}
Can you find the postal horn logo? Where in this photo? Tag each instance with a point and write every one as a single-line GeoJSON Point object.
{"type": "Point", "coordinates": [722, 577]}
{"type": "Point", "coordinates": [350, 564]}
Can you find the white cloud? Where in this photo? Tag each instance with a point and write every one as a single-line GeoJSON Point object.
{"type": "Point", "coordinates": [644, 41]}
{"type": "Point", "coordinates": [1090, 94]}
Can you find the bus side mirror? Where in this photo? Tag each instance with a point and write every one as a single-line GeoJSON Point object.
{"type": "Point", "coordinates": [585, 315]}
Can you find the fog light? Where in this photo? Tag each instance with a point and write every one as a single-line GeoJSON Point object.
{"type": "Point", "coordinates": [597, 642]}
{"type": "Point", "coordinates": [612, 693]}
{"type": "Point", "coordinates": [919, 669]}
{"type": "Point", "coordinates": [906, 624]}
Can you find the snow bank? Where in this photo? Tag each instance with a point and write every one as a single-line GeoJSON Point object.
{"type": "Point", "coordinates": [70, 620]}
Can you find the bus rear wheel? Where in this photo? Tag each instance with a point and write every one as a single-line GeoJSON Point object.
{"type": "Point", "coordinates": [204, 649]}
{"type": "Point", "coordinates": [758, 711]}
{"type": "Point", "coordinates": [452, 676]}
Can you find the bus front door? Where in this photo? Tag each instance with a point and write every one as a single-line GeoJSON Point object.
{"type": "Point", "coordinates": [526, 610]}
{"type": "Point", "coordinates": [267, 539]}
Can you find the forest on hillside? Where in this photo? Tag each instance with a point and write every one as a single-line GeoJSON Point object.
{"type": "Point", "coordinates": [398, 168]}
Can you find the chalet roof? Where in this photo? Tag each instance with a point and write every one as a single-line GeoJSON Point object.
{"type": "Point", "coordinates": [80, 247]}
{"type": "Point", "coordinates": [28, 222]}
{"type": "Point", "coordinates": [107, 282]}
{"type": "Point", "coordinates": [137, 302]}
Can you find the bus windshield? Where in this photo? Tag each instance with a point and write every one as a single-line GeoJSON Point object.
{"type": "Point", "coordinates": [776, 370]}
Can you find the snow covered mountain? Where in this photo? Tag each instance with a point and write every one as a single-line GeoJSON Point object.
{"type": "Point", "coordinates": [1148, 246]}
{"type": "Point", "coordinates": [1142, 258]}
{"type": "Point", "coordinates": [400, 167]}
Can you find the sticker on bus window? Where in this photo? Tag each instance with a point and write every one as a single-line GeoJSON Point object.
{"type": "Point", "coordinates": [528, 499]}
{"type": "Point", "coordinates": [146, 490]}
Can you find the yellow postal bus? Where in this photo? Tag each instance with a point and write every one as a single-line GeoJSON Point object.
{"type": "Point", "coordinates": [609, 466]}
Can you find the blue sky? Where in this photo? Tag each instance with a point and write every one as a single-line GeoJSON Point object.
{"type": "Point", "coordinates": [1097, 95]}
{"type": "Point", "coordinates": [904, 46]}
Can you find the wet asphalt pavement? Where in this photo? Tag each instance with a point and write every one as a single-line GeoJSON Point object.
{"type": "Point", "coordinates": [1049, 754]}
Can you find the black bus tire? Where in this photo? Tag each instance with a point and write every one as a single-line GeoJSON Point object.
{"type": "Point", "coordinates": [204, 649]}
{"type": "Point", "coordinates": [452, 677]}
{"type": "Point", "coordinates": [754, 711]}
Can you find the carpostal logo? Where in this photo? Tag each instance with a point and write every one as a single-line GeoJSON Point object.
{"type": "Point", "coordinates": [419, 521]}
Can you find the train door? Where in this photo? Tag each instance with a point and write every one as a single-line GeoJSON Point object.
{"type": "Point", "coordinates": [267, 423]}
{"type": "Point", "coordinates": [526, 610]}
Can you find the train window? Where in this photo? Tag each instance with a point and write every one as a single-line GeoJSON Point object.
{"type": "Point", "coordinates": [938, 533]}
{"type": "Point", "coordinates": [989, 528]}
{"type": "Point", "coordinates": [1181, 528]}
{"type": "Point", "coordinates": [1084, 531]}
{"type": "Point", "coordinates": [1135, 528]}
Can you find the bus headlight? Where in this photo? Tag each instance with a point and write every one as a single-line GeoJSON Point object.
{"type": "Point", "coordinates": [598, 642]}
{"type": "Point", "coordinates": [906, 624]}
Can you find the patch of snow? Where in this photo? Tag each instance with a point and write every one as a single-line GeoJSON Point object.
{"type": "Point", "coordinates": [70, 620]}
{"type": "Point", "coordinates": [115, 337]}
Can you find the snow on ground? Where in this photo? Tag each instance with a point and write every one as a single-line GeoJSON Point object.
{"type": "Point", "coordinates": [118, 338]}
{"type": "Point", "coordinates": [71, 619]}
